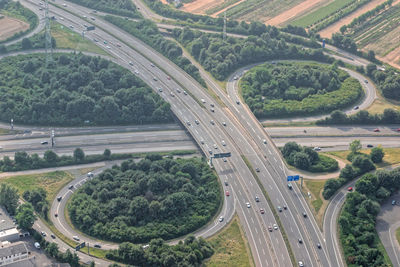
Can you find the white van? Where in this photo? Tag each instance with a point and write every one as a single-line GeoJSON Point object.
{"type": "Point", "coordinates": [37, 245]}
{"type": "Point", "coordinates": [76, 238]}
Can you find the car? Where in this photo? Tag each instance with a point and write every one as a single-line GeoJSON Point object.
{"type": "Point", "coordinates": [43, 233]}
{"type": "Point", "coordinates": [172, 94]}
{"type": "Point", "coordinates": [248, 204]}
{"type": "Point", "coordinates": [168, 78]}
{"type": "Point", "coordinates": [279, 209]}
{"type": "Point", "coordinates": [393, 202]}
{"type": "Point", "coordinates": [398, 130]}
{"type": "Point", "coordinates": [356, 107]}
{"type": "Point", "coordinates": [301, 264]}
{"type": "Point", "coordinates": [238, 102]}
{"type": "Point", "coordinates": [304, 215]}
{"type": "Point", "coordinates": [210, 151]}
{"type": "Point", "coordinates": [131, 63]}
{"type": "Point", "coordinates": [53, 236]}
{"type": "Point", "coordinates": [152, 65]}
{"type": "Point", "coordinates": [61, 18]}
{"type": "Point", "coordinates": [188, 123]}
{"type": "Point", "coordinates": [300, 241]}
{"type": "Point", "coordinates": [40, 8]}
{"type": "Point", "coordinates": [270, 228]}
{"type": "Point", "coordinates": [257, 199]}
{"type": "Point", "coordinates": [223, 143]}
{"type": "Point", "coordinates": [75, 238]}
{"type": "Point", "coordinates": [37, 245]}
{"type": "Point", "coordinates": [71, 26]}
{"type": "Point", "coordinates": [350, 189]}
{"type": "Point", "coordinates": [118, 45]}
{"type": "Point", "coordinates": [71, 186]}
{"type": "Point", "coordinates": [227, 193]}
{"type": "Point", "coordinates": [212, 122]}
{"type": "Point", "coordinates": [90, 174]}
{"type": "Point", "coordinates": [215, 146]}
{"type": "Point", "coordinates": [226, 183]}
{"type": "Point", "coordinates": [319, 245]}
{"type": "Point", "coordinates": [369, 145]}
{"type": "Point", "coordinates": [197, 122]}
{"type": "Point", "coordinates": [155, 79]}
{"type": "Point", "coordinates": [224, 123]}
{"type": "Point", "coordinates": [64, 5]}
{"type": "Point", "coordinates": [376, 130]}
{"type": "Point", "coordinates": [105, 42]}
{"type": "Point", "coordinates": [59, 198]}
{"type": "Point", "coordinates": [184, 92]}
{"type": "Point", "coordinates": [203, 100]}
{"type": "Point", "coordinates": [212, 105]}
{"type": "Point", "coordinates": [317, 148]}
{"type": "Point", "coordinates": [221, 219]}
{"type": "Point", "coordinates": [97, 246]}
{"type": "Point", "coordinates": [366, 81]}
{"type": "Point", "coordinates": [202, 142]}
{"type": "Point", "coordinates": [160, 89]}
{"type": "Point", "coordinates": [95, 40]}
{"type": "Point", "coordinates": [92, 18]}
{"type": "Point", "coordinates": [136, 72]}
{"type": "Point", "coordinates": [264, 141]}
{"type": "Point", "coordinates": [284, 207]}
{"type": "Point", "coordinates": [262, 211]}
{"type": "Point", "coordinates": [235, 78]}
{"type": "Point", "coordinates": [275, 226]}
{"type": "Point", "coordinates": [289, 185]}
{"type": "Point", "coordinates": [108, 47]}
{"type": "Point", "coordinates": [55, 214]}
{"type": "Point", "coordinates": [84, 17]}
{"type": "Point", "coordinates": [224, 159]}
{"type": "Point", "coordinates": [212, 109]}
{"type": "Point", "coordinates": [257, 170]}
{"type": "Point", "coordinates": [178, 91]}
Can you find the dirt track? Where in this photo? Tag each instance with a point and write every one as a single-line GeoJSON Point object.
{"type": "Point", "coordinates": [10, 26]}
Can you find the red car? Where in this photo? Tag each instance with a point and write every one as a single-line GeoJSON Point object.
{"type": "Point", "coordinates": [262, 211]}
{"type": "Point", "coordinates": [398, 129]}
{"type": "Point", "coordinates": [376, 130]}
{"type": "Point", "coordinates": [350, 189]}
{"type": "Point", "coordinates": [227, 193]}
{"type": "Point", "coordinates": [169, 78]}
{"type": "Point", "coordinates": [270, 228]}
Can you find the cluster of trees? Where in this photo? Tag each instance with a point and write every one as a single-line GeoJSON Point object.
{"type": "Point", "coordinates": [25, 216]}
{"type": "Point", "coordinates": [37, 197]}
{"type": "Point", "coordinates": [19, 10]}
{"type": "Point", "coordinates": [388, 81]}
{"type": "Point", "coordinates": [147, 31]}
{"type": "Point", "coordinates": [362, 18]}
{"type": "Point", "coordinates": [306, 158]}
{"type": "Point", "coordinates": [286, 89]}
{"type": "Point", "coordinates": [360, 163]}
{"type": "Point", "coordinates": [358, 218]}
{"type": "Point", "coordinates": [156, 197]}
{"type": "Point", "coordinates": [389, 116]}
{"type": "Point", "coordinates": [120, 7]}
{"type": "Point", "coordinates": [344, 42]}
{"type": "Point", "coordinates": [74, 88]}
{"type": "Point", "coordinates": [221, 57]}
{"type": "Point", "coordinates": [36, 41]}
{"type": "Point", "coordinates": [53, 251]}
{"type": "Point", "coordinates": [191, 252]}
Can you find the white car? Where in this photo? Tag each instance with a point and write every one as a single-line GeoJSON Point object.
{"type": "Point", "coordinates": [275, 226]}
{"type": "Point", "coordinates": [317, 148]}
{"type": "Point", "coordinates": [301, 264]}
{"type": "Point", "coordinates": [248, 205]}
{"type": "Point", "coordinates": [64, 5]}
{"type": "Point", "coordinates": [221, 219]}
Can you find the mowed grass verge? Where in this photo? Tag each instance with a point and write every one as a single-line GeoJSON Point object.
{"type": "Point", "coordinates": [68, 39]}
{"type": "Point", "coordinates": [398, 235]}
{"type": "Point", "coordinates": [230, 248]}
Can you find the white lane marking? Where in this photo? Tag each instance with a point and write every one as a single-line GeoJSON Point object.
{"type": "Point", "coordinates": [252, 220]}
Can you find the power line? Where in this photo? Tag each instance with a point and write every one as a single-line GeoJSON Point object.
{"type": "Point", "coordinates": [48, 44]}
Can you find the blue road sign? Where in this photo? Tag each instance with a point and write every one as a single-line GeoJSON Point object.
{"type": "Point", "coordinates": [290, 178]}
{"type": "Point", "coordinates": [81, 245]}
{"type": "Point", "coordinates": [296, 177]}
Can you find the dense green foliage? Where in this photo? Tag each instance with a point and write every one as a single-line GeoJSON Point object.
{"type": "Point", "coordinates": [191, 252]}
{"type": "Point", "coordinates": [37, 197]}
{"type": "Point", "coordinates": [9, 198]}
{"type": "Point", "coordinates": [388, 81]}
{"type": "Point", "coordinates": [117, 7]}
{"type": "Point", "coordinates": [156, 197]}
{"type": "Point", "coordinates": [344, 42]}
{"type": "Point", "coordinates": [147, 31]}
{"type": "Point", "coordinates": [306, 158]}
{"type": "Point", "coordinates": [287, 89]}
{"type": "Point", "coordinates": [377, 154]}
{"type": "Point", "coordinates": [223, 57]}
{"type": "Point", "coordinates": [25, 216]}
{"type": "Point", "coordinates": [18, 10]}
{"type": "Point", "coordinates": [360, 164]}
{"type": "Point", "coordinates": [74, 88]}
{"type": "Point", "coordinates": [52, 250]}
{"type": "Point", "coordinates": [36, 41]}
{"type": "Point", "coordinates": [358, 218]}
{"type": "Point", "coordinates": [389, 116]}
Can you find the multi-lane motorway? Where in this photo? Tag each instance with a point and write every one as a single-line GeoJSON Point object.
{"type": "Point", "coordinates": [242, 135]}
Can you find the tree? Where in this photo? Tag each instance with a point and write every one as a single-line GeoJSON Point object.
{"type": "Point", "coordinates": [9, 198]}
{"type": "Point", "coordinates": [79, 155]}
{"type": "Point", "coordinates": [355, 146]}
{"type": "Point", "coordinates": [50, 157]}
{"type": "Point", "coordinates": [52, 249]}
{"type": "Point", "coordinates": [371, 55]}
{"type": "Point", "coordinates": [290, 147]}
{"type": "Point", "coordinates": [26, 44]}
{"type": "Point", "coordinates": [301, 160]}
{"type": "Point", "coordinates": [25, 216]}
{"type": "Point", "coordinates": [107, 153]}
{"type": "Point", "coordinates": [377, 154]}
{"type": "Point", "coordinates": [364, 163]}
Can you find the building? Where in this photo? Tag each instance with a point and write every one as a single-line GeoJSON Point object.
{"type": "Point", "coordinates": [8, 230]}
{"type": "Point", "coordinates": [12, 253]}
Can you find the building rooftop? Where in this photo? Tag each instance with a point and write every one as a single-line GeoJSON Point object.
{"type": "Point", "coordinates": [6, 222]}
{"type": "Point", "coordinates": [13, 249]}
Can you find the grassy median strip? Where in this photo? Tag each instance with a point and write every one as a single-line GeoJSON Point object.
{"type": "Point", "coordinates": [398, 235]}
{"type": "Point", "coordinates": [278, 220]}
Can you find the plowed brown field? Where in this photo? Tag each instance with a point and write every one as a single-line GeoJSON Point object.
{"type": "Point", "coordinates": [10, 26]}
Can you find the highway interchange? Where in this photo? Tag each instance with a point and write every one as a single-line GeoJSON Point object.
{"type": "Point", "coordinates": [243, 136]}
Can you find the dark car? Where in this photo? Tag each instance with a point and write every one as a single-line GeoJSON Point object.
{"type": "Point", "coordinates": [53, 236]}
{"type": "Point", "coordinates": [319, 245]}
{"type": "Point", "coordinates": [59, 199]}
{"type": "Point", "coordinates": [369, 145]}
{"type": "Point", "coordinates": [44, 142]}
{"type": "Point", "coordinates": [304, 215]}
{"type": "Point", "coordinates": [300, 241]}
{"type": "Point", "coordinates": [97, 246]}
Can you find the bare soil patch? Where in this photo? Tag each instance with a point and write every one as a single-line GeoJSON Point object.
{"type": "Point", "coordinates": [10, 26]}
{"type": "Point", "coordinates": [199, 6]}
{"type": "Point", "coordinates": [335, 27]}
{"type": "Point", "coordinates": [295, 11]}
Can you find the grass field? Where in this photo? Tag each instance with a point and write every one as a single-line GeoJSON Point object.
{"type": "Point", "coordinates": [52, 182]}
{"type": "Point", "coordinates": [321, 13]}
{"type": "Point", "coordinates": [398, 235]}
{"type": "Point", "coordinates": [392, 155]}
{"type": "Point", "coordinates": [230, 248]}
{"type": "Point", "coordinates": [67, 39]}
{"type": "Point", "coordinates": [380, 104]}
